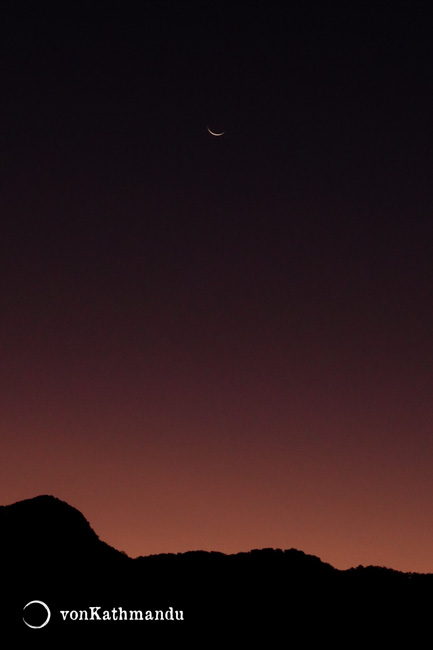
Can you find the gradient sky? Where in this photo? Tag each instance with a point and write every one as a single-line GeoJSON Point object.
{"type": "Point", "coordinates": [221, 343]}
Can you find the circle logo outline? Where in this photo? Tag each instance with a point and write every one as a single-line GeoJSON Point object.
{"type": "Point", "coordinates": [38, 602]}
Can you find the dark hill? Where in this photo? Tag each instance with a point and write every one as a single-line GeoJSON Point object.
{"type": "Point", "coordinates": [49, 524]}
{"type": "Point", "coordinates": [49, 552]}
{"type": "Point", "coordinates": [47, 532]}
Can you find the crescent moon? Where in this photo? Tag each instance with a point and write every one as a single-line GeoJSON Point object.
{"type": "Point", "coordinates": [217, 135]}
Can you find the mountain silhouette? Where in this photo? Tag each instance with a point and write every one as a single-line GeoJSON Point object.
{"type": "Point", "coordinates": [49, 541]}
{"type": "Point", "coordinates": [50, 553]}
{"type": "Point", "coordinates": [53, 527]}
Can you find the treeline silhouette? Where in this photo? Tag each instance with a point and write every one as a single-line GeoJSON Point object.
{"type": "Point", "coordinates": [50, 553]}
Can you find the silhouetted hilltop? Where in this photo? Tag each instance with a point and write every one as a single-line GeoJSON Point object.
{"type": "Point", "coordinates": [49, 551]}
{"type": "Point", "coordinates": [48, 527]}
{"type": "Point", "coordinates": [49, 547]}
{"type": "Point", "coordinates": [45, 519]}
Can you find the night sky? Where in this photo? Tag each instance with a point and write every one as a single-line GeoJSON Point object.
{"type": "Point", "coordinates": [221, 343]}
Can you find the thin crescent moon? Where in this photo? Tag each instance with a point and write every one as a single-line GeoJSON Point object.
{"type": "Point", "coordinates": [215, 134]}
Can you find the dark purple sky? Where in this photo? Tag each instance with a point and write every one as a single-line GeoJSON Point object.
{"type": "Point", "coordinates": [220, 343]}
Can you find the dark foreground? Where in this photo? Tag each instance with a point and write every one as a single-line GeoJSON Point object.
{"type": "Point", "coordinates": [93, 593]}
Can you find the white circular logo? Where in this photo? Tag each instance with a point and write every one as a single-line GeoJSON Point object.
{"type": "Point", "coordinates": [38, 602]}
